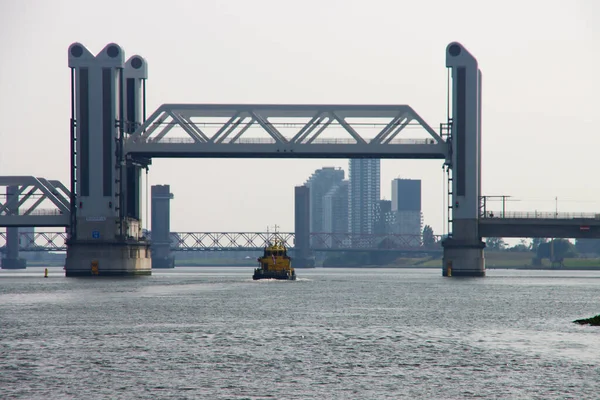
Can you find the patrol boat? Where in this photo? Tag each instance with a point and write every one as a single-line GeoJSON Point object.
{"type": "Point", "coordinates": [275, 263]}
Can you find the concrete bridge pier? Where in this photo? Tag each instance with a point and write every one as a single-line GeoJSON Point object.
{"type": "Point", "coordinates": [463, 249]}
{"type": "Point", "coordinates": [12, 260]}
{"type": "Point", "coordinates": [106, 102]}
{"type": "Point", "coordinates": [161, 197]}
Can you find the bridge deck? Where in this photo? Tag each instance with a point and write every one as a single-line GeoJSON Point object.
{"type": "Point", "coordinates": [38, 220]}
{"type": "Point", "coordinates": [548, 225]}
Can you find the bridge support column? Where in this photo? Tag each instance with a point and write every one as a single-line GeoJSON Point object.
{"type": "Point", "coordinates": [105, 232]}
{"type": "Point", "coordinates": [463, 249]}
{"type": "Point", "coordinates": [161, 227]}
{"type": "Point", "coordinates": [12, 260]}
{"type": "Point", "coordinates": [302, 254]}
{"type": "Point", "coordinates": [463, 252]}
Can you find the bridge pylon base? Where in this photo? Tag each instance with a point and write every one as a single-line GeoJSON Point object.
{"type": "Point", "coordinates": [14, 263]}
{"type": "Point", "coordinates": [463, 258]}
{"type": "Point", "coordinates": [163, 262]}
{"type": "Point", "coordinates": [108, 258]}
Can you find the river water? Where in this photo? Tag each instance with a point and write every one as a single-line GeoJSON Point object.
{"type": "Point", "coordinates": [213, 333]}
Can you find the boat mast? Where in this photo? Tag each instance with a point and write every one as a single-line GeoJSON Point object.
{"type": "Point", "coordinates": [268, 237]}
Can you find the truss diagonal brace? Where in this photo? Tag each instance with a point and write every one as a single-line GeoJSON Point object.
{"type": "Point", "coordinates": [162, 132]}
{"type": "Point", "coordinates": [151, 124]}
{"type": "Point", "coordinates": [397, 131]}
{"type": "Point", "coordinates": [54, 190]}
{"type": "Point", "coordinates": [13, 203]}
{"type": "Point", "coordinates": [388, 128]}
{"type": "Point", "coordinates": [241, 131]}
{"type": "Point", "coordinates": [194, 127]}
{"type": "Point", "coordinates": [183, 125]}
{"type": "Point", "coordinates": [319, 131]}
{"type": "Point", "coordinates": [227, 127]}
{"type": "Point", "coordinates": [310, 125]}
{"type": "Point", "coordinates": [433, 133]}
{"type": "Point", "coordinates": [64, 208]}
{"type": "Point", "coordinates": [348, 128]}
{"type": "Point", "coordinates": [271, 130]}
{"type": "Point", "coordinates": [34, 205]}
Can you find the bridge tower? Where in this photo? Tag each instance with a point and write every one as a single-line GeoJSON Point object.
{"type": "Point", "coordinates": [463, 249]}
{"type": "Point", "coordinates": [161, 226]}
{"type": "Point", "coordinates": [12, 260]}
{"type": "Point", "coordinates": [106, 104]}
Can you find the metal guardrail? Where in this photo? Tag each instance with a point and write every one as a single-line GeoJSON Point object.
{"type": "Point", "coordinates": [538, 215]}
{"type": "Point", "coordinates": [45, 211]}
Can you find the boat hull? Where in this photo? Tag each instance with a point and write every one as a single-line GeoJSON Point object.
{"type": "Point", "coordinates": [284, 275]}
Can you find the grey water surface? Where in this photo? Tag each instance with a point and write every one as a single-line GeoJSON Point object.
{"type": "Point", "coordinates": [213, 333]}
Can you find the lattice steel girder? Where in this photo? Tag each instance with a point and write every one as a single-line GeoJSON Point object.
{"type": "Point", "coordinates": [258, 240]}
{"type": "Point", "coordinates": [229, 240]}
{"type": "Point", "coordinates": [15, 211]}
{"type": "Point", "coordinates": [285, 131]}
{"type": "Point", "coordinates": [39, 241]}
{"type": "Point", "coordinates": [182, 241]}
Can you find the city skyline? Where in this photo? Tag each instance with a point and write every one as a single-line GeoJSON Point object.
{"type": "Point", "coordinates": [528, 107]}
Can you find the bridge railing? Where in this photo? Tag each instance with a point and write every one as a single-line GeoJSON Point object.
{"type": "Point", "coordinates": [538, 215]}
{"type": "Point", "coordinates": [45, 211]}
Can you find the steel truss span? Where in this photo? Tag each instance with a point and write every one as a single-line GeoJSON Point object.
{"type": "Point", "coordinates": [285, 131]}
{"type": "Point", "coordinates": [24, 206]}
{"type": "Point", "coordinates": [38, 241]}
{"type": "Point", "coordinates": [245, 241]}
{"type": "Point", "coordinates": [206, 241]}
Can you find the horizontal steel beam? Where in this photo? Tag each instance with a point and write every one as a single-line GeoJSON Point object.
{"type": "Point", "coordinates": [274, 150]}
{"type": "Point", "coordinates": [35, 220]}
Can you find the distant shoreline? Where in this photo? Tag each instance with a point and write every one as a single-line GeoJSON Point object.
{"type": "Point", "coordinates": [583, 268]}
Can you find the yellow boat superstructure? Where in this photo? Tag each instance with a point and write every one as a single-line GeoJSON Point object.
{"type": "Point", "coordinates": [275, 263]}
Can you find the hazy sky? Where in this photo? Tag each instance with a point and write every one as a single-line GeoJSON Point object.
{"type": "Point", "coordinates": [541, 94]}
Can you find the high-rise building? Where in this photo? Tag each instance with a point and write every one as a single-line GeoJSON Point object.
{"type": "Point", "coordinates": [407, 218]}
{"type": "Point", "coordinates": [382, 210]}
{"type": "Point", "coordinates": [363, 194]}
{"type": "Point", "coordinates": [302, 220]}
{"type": "Point", "coordinates": [406, 195]}
{"type": "Point", "coordinates": [335, 210]}
{"type": "Point", "coordinates": [321, 182]}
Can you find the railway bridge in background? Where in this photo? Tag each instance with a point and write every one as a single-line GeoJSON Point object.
{"type": "Point", "coordinates": [112, 142]}
{"type": "Point", "coordinates": [247, 241]}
